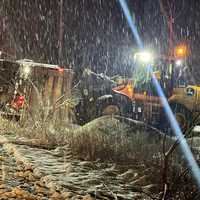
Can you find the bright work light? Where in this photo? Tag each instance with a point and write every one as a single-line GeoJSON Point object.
{"type": "Point", "coordinates": [179, 62]}
{"type": "Point", "coordinates": [143, 57]}
{"type": "Point", "coordinates": [27, 69]}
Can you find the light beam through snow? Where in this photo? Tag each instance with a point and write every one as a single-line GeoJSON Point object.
{"type": "Point", "coordinates": [173, 122]}
{"type": "Point", "coordinates": [131, 23]}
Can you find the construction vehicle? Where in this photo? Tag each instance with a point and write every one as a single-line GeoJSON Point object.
{"type": "Point", "coordinates": [144, 104]}
{"type": "Point", "coordinates": [102, 95]}
{"type": "Point", "coordinates": [96, 96]}
{"type": "Point", "coordinates": [92, 91]}
{"type": "Point", "coordinates": [27, 87]}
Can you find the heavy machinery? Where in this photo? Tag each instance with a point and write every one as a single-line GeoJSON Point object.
{"type": "Point", "coordinates": [143, 103]}
{"type": "Point", "coordinates": [27, 88]}
{"type": "Point", "coordinates": [101, 95]}
{"type": "Point", "coordinates": [94, 92]}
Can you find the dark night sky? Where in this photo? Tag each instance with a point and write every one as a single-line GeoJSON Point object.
{"type": "Point", "coordinates": [95, 31]}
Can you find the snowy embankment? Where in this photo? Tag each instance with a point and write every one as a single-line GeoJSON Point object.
{"type": "Point", "coordinates": [107, 158]}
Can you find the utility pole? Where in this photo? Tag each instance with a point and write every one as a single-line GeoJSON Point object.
{"type": "Point", "coordinates": [60, 39]}
{"type": "Point", "coordinates": [171, 39]}
{"type": "Point", "coordinates": [170, 20]}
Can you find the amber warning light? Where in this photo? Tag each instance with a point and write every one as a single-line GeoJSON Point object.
{"type": "Point", "coordinates": [181, 51]}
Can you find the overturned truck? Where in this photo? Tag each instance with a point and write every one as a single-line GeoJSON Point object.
{"type": "Point", "coordinates": [30, 90]}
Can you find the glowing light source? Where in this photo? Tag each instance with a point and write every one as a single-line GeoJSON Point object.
{"type": "Point", "coordinates": [181, 51]}
{"type": "Point", "coordinates": [179, 62]}
{"type": "Point", "coordinates": [61, 70]}
{"type": "Point", "coordinates": [27, 69]}
{"type": "Point", "coordinates": [18, 102]}
{"type": "Point", "coordinates": [144, 57]}
{"type": "Point", "coordinates": [21, 98]}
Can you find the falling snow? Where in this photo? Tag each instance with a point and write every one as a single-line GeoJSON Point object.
{"type": "Point", "coordinates": [93, 36]}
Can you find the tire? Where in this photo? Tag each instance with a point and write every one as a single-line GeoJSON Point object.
{"type": "Point", "coordinates": [111, 110]}
{"type": "Point", "coordinates": [118, 105]}
{"type": "Point", "coordinates": [183, 115]}
{"type": "Point", "coordinates": [108, 107]}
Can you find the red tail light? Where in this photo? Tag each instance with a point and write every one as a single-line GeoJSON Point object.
{"type": "Point", "coordinates": [18, 102]}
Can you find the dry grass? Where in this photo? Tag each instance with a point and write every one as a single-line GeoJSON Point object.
{"type": "Point", "coordinates": [105, 138]}
{"type": "Point", "coordinates": [108, 139]}
{"type": "Point", "coordinates": [43, 124]}
{"type": "Point", "coordinates": [8, 126]}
